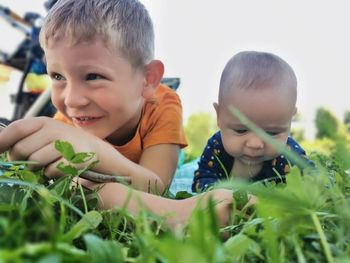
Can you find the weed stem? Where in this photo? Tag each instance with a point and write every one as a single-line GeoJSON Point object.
{"type": "Point", "coordinates": [324, 242]}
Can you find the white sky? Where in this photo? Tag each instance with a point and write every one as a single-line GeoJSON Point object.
{"type": "Point", "coordinates": [195, 38]}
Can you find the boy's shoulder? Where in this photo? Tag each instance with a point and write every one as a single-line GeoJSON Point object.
{"type": "Point", "coordinates": [162, 119]}
{"type": "Point", "coordinates": [164, 93]}
{"type": "Point", "coordinates": [165, 100]}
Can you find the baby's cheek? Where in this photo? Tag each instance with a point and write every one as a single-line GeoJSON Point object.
{"type": "Point", "coordinates": [271, 153]}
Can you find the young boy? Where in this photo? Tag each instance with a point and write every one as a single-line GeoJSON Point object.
{"type": "Point", "coordinates": [263, 87]}
{"type": "Point", "coordinates": [105, 86]}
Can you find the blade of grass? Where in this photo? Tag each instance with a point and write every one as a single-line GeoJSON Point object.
{"type": "Point", "coordinates": [41, 190]}
{"type": "Point", "coordinates": [295, 158]}
{"type": "Point", "coordinates": [324, 242]}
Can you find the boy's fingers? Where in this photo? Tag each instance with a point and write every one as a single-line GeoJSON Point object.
{"type": "Point", "coordinates": [18, 130]}
{"type": "Point", "coordinates": [43, 157]}
{"type": "Point", "coordinates": [51, 170]}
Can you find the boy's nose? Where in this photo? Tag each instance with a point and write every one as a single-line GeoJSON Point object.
{"type": "Point", "coordinates": [255, 142]}
{"type": "Point", "coordinates": [75, 96]}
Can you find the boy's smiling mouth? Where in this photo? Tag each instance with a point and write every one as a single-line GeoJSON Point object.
{"type": "Point", "coordinates": [85, 121]}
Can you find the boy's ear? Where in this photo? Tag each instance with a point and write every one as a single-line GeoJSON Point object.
{"type": "Point", "coordinates": [295, 111]}
{"type": "Point", "coordinates": [153, 76]}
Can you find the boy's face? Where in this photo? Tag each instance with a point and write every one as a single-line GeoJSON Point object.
{"type": "Point", "coordinates": [270, 109]}
{"type": "Point", "coordinates": [96, 88]}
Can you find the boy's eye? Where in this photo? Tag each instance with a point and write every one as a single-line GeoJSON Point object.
{"type": "Point", "coordinates": [93, 76]}
{"type": "Point", "coordinates": [56, 76]}
{"type": "Point", "coordinates": [240, 131]}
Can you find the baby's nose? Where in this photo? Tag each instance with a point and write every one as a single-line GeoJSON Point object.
{"type": "Point", "coordinates": [255, 142]}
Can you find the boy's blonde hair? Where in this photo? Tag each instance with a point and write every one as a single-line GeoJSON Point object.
{"type": "Point", "coordinates": [123, 24]}
{"type": "Point", "coordinates": [255, 70]}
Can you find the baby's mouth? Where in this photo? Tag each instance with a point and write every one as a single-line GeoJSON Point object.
{"type": "Point", "coordinates": [251, 160]}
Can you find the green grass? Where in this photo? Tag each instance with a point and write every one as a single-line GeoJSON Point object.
{"type": "Point", "coordinates": [305, 220]}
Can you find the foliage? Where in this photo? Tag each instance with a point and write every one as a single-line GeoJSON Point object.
{"type": "Point", "coordinates": [305, 220]}
{"type": "Point", "coordinates": [347, 117]}
{"type": "Point", "coordinates": [326, 124]}
{"type": "Point", "coordinates": [298, 134]}
{"type": "Point", "coordinates": [347, 120]}
{"type": "Point", "coordinates": [198, 129]}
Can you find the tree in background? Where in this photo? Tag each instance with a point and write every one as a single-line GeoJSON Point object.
{"type": "Point", "coordinates": [347, 119]}
{"type": "Point", "coordinates": [297, 131]}
{"type": "Point", "coordinates": [199, 127]}
{"type": "Point", "coordinates": [326, 124]}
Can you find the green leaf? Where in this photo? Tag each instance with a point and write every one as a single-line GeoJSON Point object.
{"type": "Point", "coordinates": [51, 258]}
{"type": "Point", "coordinates": [241, 198]}
{"type": "Point", "coordinates": [239, 245]}
{"type": "Point", "coordinates": [103, 250]}
{"type": "Point", "coordinates": [178, 251]}
{"type": "Point", "coordinates": [61, 186]}
{"type": "Point", "coordinates": [28, 176]}
{"type": "Point", "coordinates": [82, 157]}
{"type": "Point", "coordinates": [183, 195]}
{"type": "Point", "coordinates": [67, 169]}
{"type": "Point", "coordinates": [66, 149]}
{"type": "Point", "coordinates": [10, 194]}
{"type": "Point", "coordinates": [89, 221]}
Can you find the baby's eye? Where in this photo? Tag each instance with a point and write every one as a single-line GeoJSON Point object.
{"type": "Point", "coordinates": [240, 131]}
{"type": "Point", "coordinates": [93, 76]}
{"type": "Point", "coordinates": [56, 76]}
{"type": "Point", "coordinates": [272, 133]}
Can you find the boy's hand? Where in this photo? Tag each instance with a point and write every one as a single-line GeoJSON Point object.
{"type": "Point", "coordinates": [33, 139]}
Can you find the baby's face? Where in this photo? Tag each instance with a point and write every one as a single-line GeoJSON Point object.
{"type": "Point", "coordinates": [270, 109]}
{"type": "Point", "coordinates": [95, 87]}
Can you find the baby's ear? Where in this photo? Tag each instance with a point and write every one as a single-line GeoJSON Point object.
{"type": "Point", "coordinates": [216, 107]}
{"type": "Point", "coordinates": [153, 76]}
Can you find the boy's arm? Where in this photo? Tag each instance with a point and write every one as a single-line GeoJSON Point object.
{"type": "Point", "coordinates": [177, 212]}
{"type": "Point", "coordinates": [33, 139]}
{"type": "Point", "coordinates": [162, 135]}
{"type": "Point", "coordinates": [162, 159]}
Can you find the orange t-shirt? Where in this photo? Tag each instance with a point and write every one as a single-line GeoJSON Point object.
{"type": "Point", "coordinates": [161, 122]}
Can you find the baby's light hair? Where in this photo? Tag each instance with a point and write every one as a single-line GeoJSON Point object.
{"type": "Point", "coordinates": [254, 70]}
{"type": "Point", "coordinates": [122, 24]}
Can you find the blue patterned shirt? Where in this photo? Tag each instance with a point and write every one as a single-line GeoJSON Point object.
{"type": "Point", "coordinates": [216, 164]}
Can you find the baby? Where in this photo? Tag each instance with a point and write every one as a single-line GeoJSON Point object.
{"type": "Point", "coordinates": [263, 87]}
